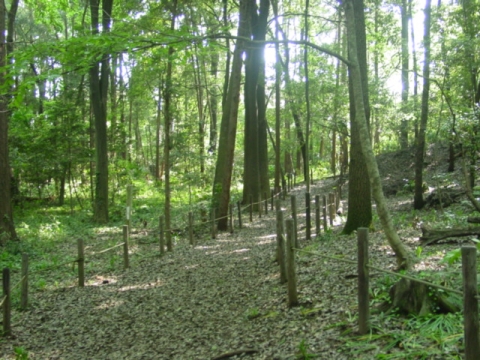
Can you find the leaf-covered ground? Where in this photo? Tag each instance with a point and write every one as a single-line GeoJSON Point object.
{"type": "Point", "coordinates": [219, 299]}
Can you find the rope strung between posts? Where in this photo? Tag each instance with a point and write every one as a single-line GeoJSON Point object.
{"type": "Point", "coordinates": [3, 300]}
{"type": "Point", "coordinates": [108, 249]}
{"type": "Point", "coordinates": [18, 283]}
{"type": "Point", "coordinates": [384, 271]}
{"type": "Point", "coordinates": [220, 218]}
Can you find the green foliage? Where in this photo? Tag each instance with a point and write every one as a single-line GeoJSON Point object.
{"type": "Point", "coordinates": [303, 352]}
{"type": "Point", "coordinates": [20, 353]}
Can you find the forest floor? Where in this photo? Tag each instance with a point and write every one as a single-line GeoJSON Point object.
{"type": "Point", "coordinates": [222, 298]}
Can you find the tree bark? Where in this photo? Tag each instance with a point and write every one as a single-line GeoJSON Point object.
{"type": "Point", "coordinates": [255, 180]}
{"type": "Point", "coordinates": [228, 129]}
{"type": "Point", "coordinates": [99, 76]}
{"type": "Point", "coordinates": [405, 112]}
{"type": "Point", "coordinates": [359, 192]}
{"type": "Point", "coordinates": [418, 201]}
{"type": "Point", "coordinates": [404, 260]}
{"type": "Point", "coordinates": [7, 227]}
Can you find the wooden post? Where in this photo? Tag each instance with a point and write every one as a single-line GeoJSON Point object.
{"type": "Point", "coordinates": [470, 302]}
{"type": "Point", "coordinates": [214, 230]}
{"type": "Point", "coordinates": [239, 214]}
{"type": "Point", "coordinates": [293, 201]}
{"type": "Point", "coordinates": [259, 205]}
{"type": "Point", "coordinates": [126, 235]}
{"type": "Point", "coordinates": [231, 218]}
{"type": "Point", "coordinates": [331, 208]}
{"type": "Point", "coordinates": [265, 201]}
{"type": "Point", "coordinates": [291, 276]}
{"type": "Point", "coordinates": [7, 327]}
{"type": "Point", "coordinates": [251, 207]}
{"type": "Point", "coordinates": [190, 228]}
{"type": "Point", "coordinates": [272, 198]}
{"type": "Point", "coordinates": [325, 226]}
{"type": "Point", "coordinates": [308, 217]}
{"type": "Point", "coordinates": [317, 215]}
{"type": "Point", "coordinates": [363, 282]}
{"type": "Point", "coordinates": [161, 222]}
{"type": "Point", "coordinates": [24, 286]}
{"type": "Point", "coordinates": [129, 205]}
{"type": "Point", "coordinates": [281, 247]}
{"type": "Point", "coordinates": [81, 263]}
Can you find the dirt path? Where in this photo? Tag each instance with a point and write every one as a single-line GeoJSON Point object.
{"type": "Point", "coordinates": [197, 303]}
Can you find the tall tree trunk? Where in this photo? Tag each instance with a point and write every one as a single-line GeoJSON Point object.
{"type": "Point", "coordinates": [7, 227]}
{"type": "Point", "coordinates": [418, 201]}
{"type": "Point", "coordinates": [197, 75]}
{"type": "Point", "coordinates": [255, 180]}
{"type": "Point", "coordinates": [359, 192]}
{"type": "Point", "coordinates": [306, 164]}
{"type": "Point", "coordinates": [167, 129]}
{"type": "Point", "coordinates": [158, 132]}
{"type": "Point", "coordinates": [278, 79]}
{"type": "Point", "coordinates": [228, 128]}
{"type": "Point", "coordinates": [99, 76]}
{"type": "Point", "coordinates": [404, 260]}
{"type": "Point", "coordinates": [405, 110]}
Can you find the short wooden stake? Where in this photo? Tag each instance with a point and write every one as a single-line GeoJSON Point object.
{"type": "Point", "coordinates": [24, 286]}
{"type": "Point", "coordinates": [251, 207]}
{"type": "Point", "coordinates": [281, 247]}
{"type": "Point", "coordinates": [259, 205]}
{"type": "Point", "coordinates": [272, 193]}
{"type": "Point", "coordinates": [278, 205]}
{"type": "Point", "coordinates": [325, 226]}
{"type": "Point", "coordinates": [7, 307]}
{"type": "Point", "coordinates": [363, 282]}
{"type": "Point", "coordinates": [265, 202]}
{"type": "Point", "coordinates": [126, 235]}
{"type": "Point", "coordinates": [190, 228]}
{"type": "Point", "coordinates": [81, 263]}
{"type": "Point", "coordinates": [129, 205]}
{"type": "Point", "coordinates": [470, 302]}
{"type": "Point", "coordinates": [290, 254]}
{"type": "Point", "coordinates": [214, 228]}
{"type": "Point", "coordinates": [293, 201]}
{"type": "Point", "coordinates": [161, 226]}
{"type": "Point", "coordinates": [231, 218]}
{"type": "Point", "coordinates": [331, 208]}
{"type": "Point", "coordinates": [308, 217]}
{"type": "Point", "coordinates": [239, 207]}
{"type": "Point", "coordinates": [317, 215]}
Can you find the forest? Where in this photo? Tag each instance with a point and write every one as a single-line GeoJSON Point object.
{"type": "Point", "coordinates": [161, 114]}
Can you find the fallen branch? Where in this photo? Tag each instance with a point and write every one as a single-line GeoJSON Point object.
{"type": "Point", "coordinates": [234, 353]}
{"type": "Point", "coordinates": [430, 236]}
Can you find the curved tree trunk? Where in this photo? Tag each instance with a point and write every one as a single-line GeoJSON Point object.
{"type": "Point", "coordinates": [404, 259]}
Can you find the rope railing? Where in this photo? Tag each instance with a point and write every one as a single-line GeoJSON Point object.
{"type": "Point", "coordinates": [441, 287]}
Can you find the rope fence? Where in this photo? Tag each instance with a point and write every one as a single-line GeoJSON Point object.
{"type": "Point", "coordinates": [285, 255]}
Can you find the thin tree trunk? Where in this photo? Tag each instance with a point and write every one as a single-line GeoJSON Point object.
{"type": "Point", "coordinates": [404, 260]}
{"type": "Point", "coordinates": [306, 164]}
{"type": "Point", "coordinates": [167, 141]}
{"type": "Point", "coordinates": [418, 201]}
{"type": "Point", "coordinates": [405, 110]}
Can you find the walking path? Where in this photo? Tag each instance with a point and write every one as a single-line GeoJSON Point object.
{"type": "Point", "coordinates": [221, 298]}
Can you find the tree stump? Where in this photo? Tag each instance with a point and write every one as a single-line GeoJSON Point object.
{"type": "Point", "coordinates": [411, 297]}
